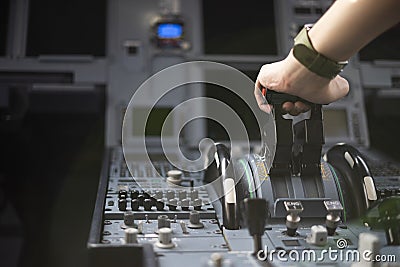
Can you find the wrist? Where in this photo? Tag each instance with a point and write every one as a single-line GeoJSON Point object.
{"type": "Point", "coordinates": [298, 77]}
{"type": "Point", "coordinates": [309, 57]}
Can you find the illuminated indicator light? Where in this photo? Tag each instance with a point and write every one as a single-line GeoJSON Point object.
{"type": "Point", "coordinates": [169, 31]}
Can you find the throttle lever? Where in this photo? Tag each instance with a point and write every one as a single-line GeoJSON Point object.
{"type": "Point", "coordinates": [278, 98]}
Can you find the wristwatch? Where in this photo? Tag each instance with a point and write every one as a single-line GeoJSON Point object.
{"type": "Point", "coordinates": [306, 54]}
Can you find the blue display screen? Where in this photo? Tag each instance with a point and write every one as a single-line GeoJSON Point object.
{"type": "Point", "coordinates": [169, 30]}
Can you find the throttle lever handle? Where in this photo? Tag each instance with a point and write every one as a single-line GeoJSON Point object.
{"type": "Point", "coordinates": [277, 98]}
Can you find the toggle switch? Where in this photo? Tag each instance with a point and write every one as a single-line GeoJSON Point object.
{"type": "Point", "coordinates": [334, 208]}
{"type": "Point", "coordinates": [293, 208]}
{"type": "Point", "coordinates": [183, 227]}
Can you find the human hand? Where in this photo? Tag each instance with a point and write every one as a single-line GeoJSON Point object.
{"type": "Point", "coordinates": [291, 77]}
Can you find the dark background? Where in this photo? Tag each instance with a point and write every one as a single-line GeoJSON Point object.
{"type": "Point", "coordinates": [62, 27]}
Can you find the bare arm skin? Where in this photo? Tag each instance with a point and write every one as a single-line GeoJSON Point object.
{"type": "Point", "coordinates": [350, 24]}
{"type": "Point", "coordinates": [340, 33]}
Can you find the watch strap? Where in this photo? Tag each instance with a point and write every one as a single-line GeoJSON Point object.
{"type": "Point", "coordinates": [305, 53]}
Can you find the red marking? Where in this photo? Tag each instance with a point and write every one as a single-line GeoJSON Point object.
{"type": "Point", "coordinates": [264, 92]}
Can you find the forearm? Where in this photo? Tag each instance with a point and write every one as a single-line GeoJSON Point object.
{"type": "Point", "coordinates": [350, 24]}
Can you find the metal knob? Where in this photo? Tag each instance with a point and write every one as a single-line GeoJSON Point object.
{"type": "Point", "coordinates": [163, 221]}
{"type": "Point", "coordinates": [197, 204]}
{"type": "Point", "coordinates": [131, 235]}
{"type": "Point", "coordinates": [194, 220]}
{"type": "Point", "coordinates": [185, 204]}
{"type": "Point", "coordinates": [129, 220]}
{"type": "Point", "coordinates": [174, 177]}
{"type": "Point", "coordinates": [294, 208]}
{"type": "Point", "coordinates": [135, 204]}
{"type": "Point", "coordinates": [122, 204]}
{"type": "Point", "coordinates": [134, 194]}
{"type": "Point", "coordinates": [165, 238]}
{"type": "Point", "coordinates": [170, 194]}
{"type": "Point", "coordinates": [122, 194]}
{"type": "Point", "coordinates": [182, 194]}
{"type": "Point", "coordinates": [194, 194]}
{"type": "Point", "coordinates": [160, 204]}
{"type": "Point", "coordinates": [148, 204]}
{"type": "Point", "coordinates": [334, 207]}
{"type": "Point", "coordinates": [172, 204]}
{"type": "Point", "coordinates": [158, 194]}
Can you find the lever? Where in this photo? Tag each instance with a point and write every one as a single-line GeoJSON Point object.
{"type": "Point", "coordinates": [299, 144]}
{"type": "Point", "coordinates": [276, 98]}
{"type": "Point", "coordinates": [334, 207]}
{"type": "Point", "coordinates": [294, 208]}
{"type": "Point", "coordinates": [256, 212]}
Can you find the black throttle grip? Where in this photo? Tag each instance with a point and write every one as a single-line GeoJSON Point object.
{"type": "Point", "coordinates": [277, 98]}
